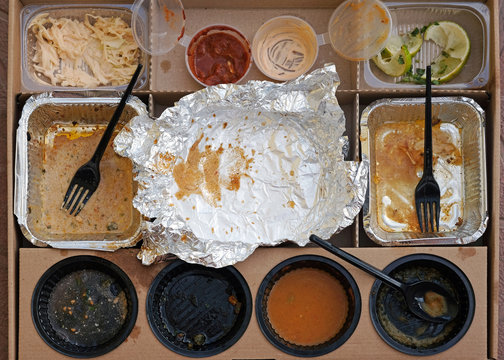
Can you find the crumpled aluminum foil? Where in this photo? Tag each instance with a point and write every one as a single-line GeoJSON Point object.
{"type": "Point", "coordinates": [281, 173]}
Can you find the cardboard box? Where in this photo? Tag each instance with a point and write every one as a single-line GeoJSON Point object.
{"type": "Point", "coordinates": [479, 261]}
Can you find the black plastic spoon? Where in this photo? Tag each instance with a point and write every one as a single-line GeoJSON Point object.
{"type": "Point", "coordinates": [424, 298]}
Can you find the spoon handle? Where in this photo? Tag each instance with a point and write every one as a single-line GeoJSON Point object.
{"type": "Point", "coordinates": [357, 262]}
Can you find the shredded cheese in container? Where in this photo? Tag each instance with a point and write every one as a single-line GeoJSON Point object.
{"type": "Point", "coordinates": [100, 51]}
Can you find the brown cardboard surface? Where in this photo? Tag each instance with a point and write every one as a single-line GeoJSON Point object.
{"type": "Point", "coordinates": [482, 267]}
{"type": "Point", "coordinates": [253, 345]}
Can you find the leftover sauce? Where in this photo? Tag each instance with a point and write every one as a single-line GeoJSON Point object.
{"type": "Point", "coordinates": [434, 304]}
{"type": "Point", "coordinates": [217, 56]}
{"type": "Point", "coordinates": [201, 173]}
{"type": "Point", "coordinates": [99, 51]}
{"type": "Point", "coordinates": [405, 327]}
{"type": "Point", "coordinates": [399, 166]}
{"type": "Point", "coordinates": [87, 308]}
{"type": "Point", "coordinates": [110, 208]}
{"type": "Point", "coordinates": [307, 306]}
{"type": "Point", "coordinates": [286, 50]}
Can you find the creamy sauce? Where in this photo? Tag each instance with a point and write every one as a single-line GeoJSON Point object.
{"type": "Point", "coordinates": [285, 49]}
{"type": "Point", "coordinates": [399, 167]}
{"type": "Point", "coordinates": [307, 306]}
{"type": "Point", "coordinates": [109, 210]}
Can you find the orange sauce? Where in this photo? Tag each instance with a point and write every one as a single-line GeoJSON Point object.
{"type": "Point", "coordinates": [307, 306]}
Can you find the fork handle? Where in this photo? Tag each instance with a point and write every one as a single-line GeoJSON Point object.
{"type": "Point", "coordinates": [100, 149]}
{"type": "Point", "coordinates": [428, 125]}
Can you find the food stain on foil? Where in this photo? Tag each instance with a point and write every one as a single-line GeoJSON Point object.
{"type": "Point", "coordinates": [200, 173]}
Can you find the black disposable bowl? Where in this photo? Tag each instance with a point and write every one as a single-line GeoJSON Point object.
{"type": "Point", "coordinates": [48, 282]}
{"type": "Point", "coordinates": [198, 311]}
{"type": "Point", "coordinates": [309, 261]}
{"type": "Point", "coordinates": [407, 333]}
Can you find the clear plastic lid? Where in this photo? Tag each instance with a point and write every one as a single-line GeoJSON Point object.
{"type": "Point", "coordinates": [359, 29]}
{"type": "Point", "coordinates": [158, 24]}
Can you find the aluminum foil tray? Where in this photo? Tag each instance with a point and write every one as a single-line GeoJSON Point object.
{"type": "Point", "coordinates": [463, 182]}
{"type": "Point", "coordinates": [39, 187]}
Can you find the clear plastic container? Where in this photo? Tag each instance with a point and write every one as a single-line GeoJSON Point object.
{"type": "Point", "coordinates": [217, 54]}
{"type": "Point", "coordinates": [285, 47]}
{"type": "Point", "coordinates": [158, 25]}
{"type": "Point", "coordinates": [473, 17]}
{"type": "Point", "coordinates": [359, 29]}
{"type": "Point", "coordinates": [34, 81]}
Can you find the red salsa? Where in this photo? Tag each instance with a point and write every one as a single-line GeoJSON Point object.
{"type": "Point", "coordinates": [218, 55]}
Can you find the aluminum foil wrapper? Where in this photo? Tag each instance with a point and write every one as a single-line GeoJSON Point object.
{"type": "Point", "coordinates": [233, 167]}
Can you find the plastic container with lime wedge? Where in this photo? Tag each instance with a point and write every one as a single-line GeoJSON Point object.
{"type": "Point", "coordinates": [473, 17]}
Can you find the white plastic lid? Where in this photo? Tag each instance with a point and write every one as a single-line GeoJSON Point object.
{"type": "Point", "coordinates": [359, 29]}
{"type": "Point", "coordinates": [157, 24]}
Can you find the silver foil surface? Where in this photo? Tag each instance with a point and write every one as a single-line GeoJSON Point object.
{"type": "Point", "coordinates": [281, 173]}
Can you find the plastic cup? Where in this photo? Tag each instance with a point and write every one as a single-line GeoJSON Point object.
{"type": "Point", "coordinates": [285, 47]}
{"type": "Point", "coordinates": [217, 54]}
{"type": "Point", "coordinates": [359, 29]}
{"type": "Point", "coordinates": [157, 25]}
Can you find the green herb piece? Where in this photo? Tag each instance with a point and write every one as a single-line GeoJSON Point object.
{"type": "Point", "coordinates": [445, 54]}
{"type": "Point", "coordinates": [436, 23]}
{"type": "Point", "coordinates": [443, 68]}
{"type": "Point", "coordinates": [423, 29]}
{"type": "Point", "coordinates": [415, 32]}
{"type": "Point", "coordinates": [400, 60]}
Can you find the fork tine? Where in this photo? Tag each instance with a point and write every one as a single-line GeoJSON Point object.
{"type": "Point", "coordinates": [74, 195]}
{"type": "Point", "coordinates": [438, 211]}
{"type": "Point", "coordinates": [426, 219]}
{"type": "Point", "coordinates": [418, 207]}
{"type": "Point", "coordinates": [431, 215]}
{"type": "Point", "coordinates": [67, 195]}
{"type": "Point", "coordinates": [88, 195]}
{"type": "Point", "coordinates": [77, 201]}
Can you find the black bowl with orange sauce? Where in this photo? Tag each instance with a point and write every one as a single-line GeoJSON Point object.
{"type": "Point", "coordinates": [308, 306]}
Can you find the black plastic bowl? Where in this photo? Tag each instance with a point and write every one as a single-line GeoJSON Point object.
{"type": "Point", "coordinates": [49, 283]}
{"type": "Point", "coordinates": [407, 333]}
{"type": "Point", "coordinates": [198, 311]}
{"type": "Point", "coordinates": [318, 262]}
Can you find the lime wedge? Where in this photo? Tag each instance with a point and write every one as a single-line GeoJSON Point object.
{"type": "Point", "coordinates": [413, 41]}
{"type": "Point", "coordinates": [456, 48]}
{"type": "Point", "coordinates": [393, 62]}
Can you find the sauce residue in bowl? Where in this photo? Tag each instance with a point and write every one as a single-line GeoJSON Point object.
{"type": "Point", "coordinates": [109, 210]}
{"type": "Point", "coordinates": [399, 166]}
{"type": "Point", "coordinates": [307, 306]}
{"type": "Point", "coordinates": [434, 304]}
{"type": "Point", "coordinates": [218, 55]}
{"type": "Point", "coordinates": [87, 308]}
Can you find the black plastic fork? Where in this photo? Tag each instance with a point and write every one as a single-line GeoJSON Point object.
{"type": "Point", "coordinates": [427, 193]}
{"type": "Point", "coordinates": [87, 178]}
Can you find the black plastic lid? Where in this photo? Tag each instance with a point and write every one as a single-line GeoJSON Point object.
{"type": "Point", "coordinates": [400, 328]}
{"type": "Point", "coordinates": [198, 311]}
{"type": "Point", "coordinates": [49, 282]}
{"type": "Point", "coordinates": [312, 261]}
